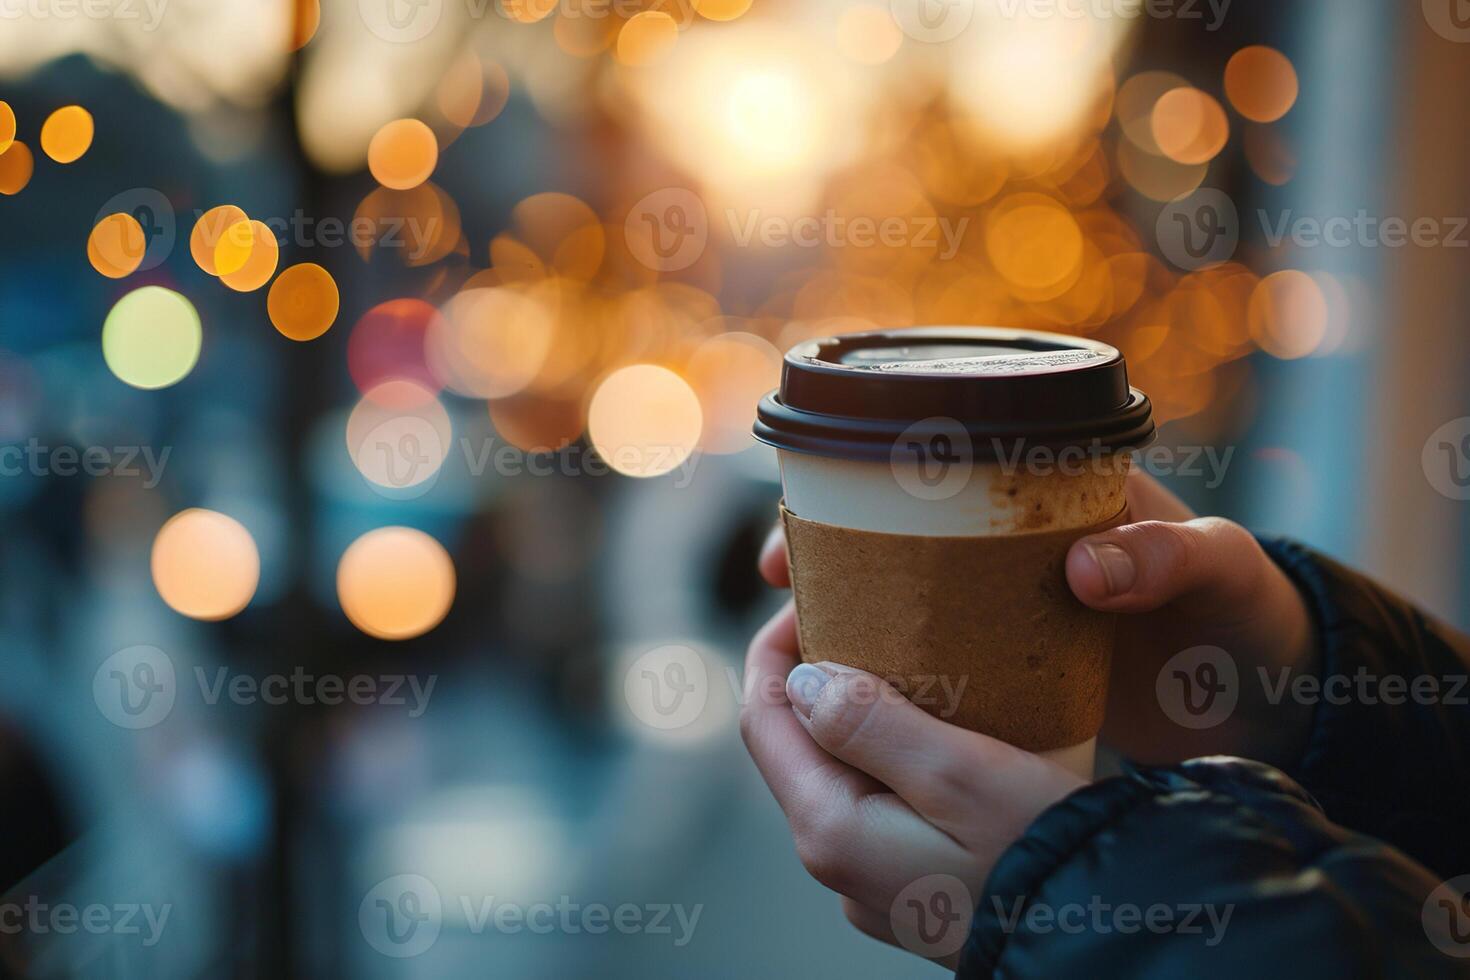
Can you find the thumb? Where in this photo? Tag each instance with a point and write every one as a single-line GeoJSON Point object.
{"type": "Point", "coordinates": [1140, 567]}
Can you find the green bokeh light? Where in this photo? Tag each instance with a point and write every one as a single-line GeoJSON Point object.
{"type": "Point", "coordinates": [151, 338]}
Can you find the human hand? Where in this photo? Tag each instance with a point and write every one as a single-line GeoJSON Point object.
{"type": "Point", "coordinates": [1181, 581]}
{"type": "Point", "coordinates": [881, 795]}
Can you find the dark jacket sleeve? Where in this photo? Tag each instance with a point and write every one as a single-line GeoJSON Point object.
{"type": "Point", "coordinates": [1389, 751]}
{"type": "Point", "coordinates": [1216, 868]}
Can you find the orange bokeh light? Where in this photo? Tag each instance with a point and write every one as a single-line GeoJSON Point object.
{"type": "Point", "coordinates": [395, 583]}
{"type": "Point", "coordinates": [303, 301]}
{"type": "Point", "coordinates": [1189, 126]}
{"type": "Point", "coordinates": [260, 262]}
{"type": "Point", "coordinates": [1261, 83]}
{"type": "Point", "coordinates": [403, 154]}
{"type": "Point", "coordinates": [67, 134]}
{"type": "Point", "coordinates": [116, 246]}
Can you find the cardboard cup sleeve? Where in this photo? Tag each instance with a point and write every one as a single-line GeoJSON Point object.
{"type": "Point", "coordinates": [982, 632]}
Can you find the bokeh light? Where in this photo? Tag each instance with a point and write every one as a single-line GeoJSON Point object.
{"type": "Point", "coordinates": [7, 126]}
{"type": "Point", "coordinates": [1261, 83]}
{"type": "Point", "coordinates": [116, 246]}
{"type": "Point", "coordinates": [1189, 126]}
{"type": "Point", "coordinates": [395, 583]}
{"type": "Point", "coordinates": [399, 435]}
{"type": "Point", "coordinates": [868, 34]}
{"type": "Point", "coordinates": [260, 262]}
{"type": "Point", "coordinates": [389, 342]}
{"type": "Point", "coordinates": [303, 301]}
{"type": "Point", "coordinates": [489, 342]}
{"type": "Point", "coordinates": [730, 373]}
{"type": "Point", "coordinates": [644, 420]}
{"type": "Point", "coordinates": [1288, 314]}
{"type": "Point", "coordinates": [67, 134]}
{"type": "Point", "coordinates": [151, 338]}
{"type": "Point", "coordinates": [722, 9]}
{"type": "Point", "coordinates": [647, 38]}
{"type": "Point", "coordinates": [307, 18]}
{"type": "Point", "coordinates": [16, 166]}
{"type": "Point", "coordinates": [205, 565]}
{"type": "Point", "coordinates": [403, 154]}
{"type": "Point", "coordinates": [210, 230]}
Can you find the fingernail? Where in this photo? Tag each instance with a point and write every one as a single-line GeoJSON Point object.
{"type": "Point", "coordinates": [1116, 565]}
{"type": "Point", "coordinates": [803, 685]}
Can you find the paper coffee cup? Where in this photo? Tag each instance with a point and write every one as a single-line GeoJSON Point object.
{"type": "Point", "coordinates": [934, 479]}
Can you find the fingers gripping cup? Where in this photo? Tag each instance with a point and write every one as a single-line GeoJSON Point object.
{"type": "Point", "coordinates": [934, 480]}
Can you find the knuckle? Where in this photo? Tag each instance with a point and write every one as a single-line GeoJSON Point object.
{"type": "Point", "coordinates": [826, 862]}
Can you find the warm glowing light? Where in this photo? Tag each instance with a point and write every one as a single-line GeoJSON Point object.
{"type": "Point", "coordinates": [205, 565]}
{"type": "Point", "coordinates": [644, 420]}
{"type": "Point", "coordinates": [16, 167]}
{"type": "Point", "coordinates": [1157, 177]}
{"type": "Point", "coordinates": [116, 246]}
{"type": "Point", "coordinates": [564, 232]}
{"type": "Point", "coordinates": [1288, 314]}
{"type": "Point", "coordinates": [721, 9]}
{"type": "Point", "coordinates": [420, 225]}
{"type": "Point", "coordinates": [1189, 126]}
{"type": "Point", "coordinates": [646, 38]}
{"type": "Point", "coordinates": [1034, 242]}
{"type": "Point", "coordinates": [305, 23]}
{"type": "Point", "coordinates": [210, 229]}
{"type": "Point", "coordinates": [1135, 103]}
{"type": "Point", "coordinates": [472, 92]}
{"type": "Point", "coordinates": [388, 342]}
{"type": "Point", "coordinates": [303, 301]}
{"type": "Point", "coordinates": [151, 339]}
{"type": "Point", "coordinates": [489, 343]}
{"type": "Point", "coordinates": [731, 372]}
{"type": "Point", "coordinates": [403, 154]}
{"type": "Point", "coordinates": [764, 114]}
{"type": "Point", "coordinates": [537, 425]}
{"type": "Point", "coordinates": [67, 134]}
{"type": "Point", "coordinates": [868, 34]}
{"type": "Point", "coordinates": [1261, 83]}
{"type": "Point", "coordinates": [233, 248]}
{"type": "Point", "coordinates": [7, 126]}
{"type": "Point", "coordinates": [399, 434]}
{"type": "Point", "coordinates": [395, 583]}
{"type": "Point", "coordinates": [528, 11]}
{"type": "Point", "coordinates": [260, 262]}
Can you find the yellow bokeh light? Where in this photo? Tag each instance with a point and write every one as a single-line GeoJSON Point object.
{"type": "Point", "coordinates": [395, 583]}
{"type": "Point", "coordinates": [67, 134]}
{"type": "Point", "coordinates": [1288, 314]}
{"type": "Point", "coordinates": [205, 565]}
{"type": "Point", "coordinates": [1261, 83]}
{"type": "Point", "coordinates": [151, 338]}
{"type": "Point", "coordinates": [403, 154]}
{"type": "Point", "coordinates": [7, 126]}
{"type": "Point", "coordinates": [116, 246]}
{"type": "Point", "coordinates": [490, 343]}
{"type": "Point", "coordinates": [1189, 126]}
{"type": "Point", "coordinates": [260, 262]}
{"type": "Point", "coordinates": [1034, 242]}
{"type": "Point", "coordinates": [868, 34]}
{"type": "Point", "coordinates": [721, 9]}
{"type": "Point", "coordinates": [233, 248]}
{"type": "Point", "coordinates": [646, 38]}
{"type": "Point", "coordinates": [210, 230]}
{"type": "Point", "coordinates": [644, 420]}
{"type": "Point", "coordinates": [303, 301]}
{"type": "Point", "coordinates": [16, 167]}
